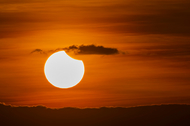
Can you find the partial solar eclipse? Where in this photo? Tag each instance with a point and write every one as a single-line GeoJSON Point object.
{"type": "Point", "coordinates": [62, 71]}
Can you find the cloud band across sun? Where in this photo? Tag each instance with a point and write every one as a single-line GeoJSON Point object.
{"type": "Point", "coordinates": [83, 50]}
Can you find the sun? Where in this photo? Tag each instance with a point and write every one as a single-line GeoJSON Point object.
{"type": "Point", "coordinates": [62, 71]}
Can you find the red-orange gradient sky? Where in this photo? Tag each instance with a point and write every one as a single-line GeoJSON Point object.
{"type": "Point", "coordinates": [152, 38]}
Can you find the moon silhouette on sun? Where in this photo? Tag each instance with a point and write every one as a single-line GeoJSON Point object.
{"type": "Point", "coordinates": [62, 71]}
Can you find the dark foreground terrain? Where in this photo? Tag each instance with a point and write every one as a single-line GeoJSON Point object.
{"type": "Point", "coordinates": [163, 115]}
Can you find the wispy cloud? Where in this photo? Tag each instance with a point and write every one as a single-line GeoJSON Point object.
{"type": "Point", "coordinates": [147, 17]}
{"type": "Point", "coordinates": [38, 51]}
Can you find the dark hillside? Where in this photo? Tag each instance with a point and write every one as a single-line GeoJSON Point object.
{"type": "Point", "coordinates": [162, 115]}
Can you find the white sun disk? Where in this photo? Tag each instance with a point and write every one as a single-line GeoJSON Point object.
{"type": "Point", "coordinates": [62, 71]}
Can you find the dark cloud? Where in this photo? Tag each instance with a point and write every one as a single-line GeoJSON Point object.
{"type": "Point", "coordinates": [156, 115]}
{"type": "Point", "coordinates": [84, 49]}
{"type": "Point", "coordinates": [72, 47]}
{"type": "Point", "coordinates": [92, 49]}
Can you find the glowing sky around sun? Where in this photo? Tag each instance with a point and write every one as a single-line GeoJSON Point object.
{"type": "Point", "coordinates": [141, 51]}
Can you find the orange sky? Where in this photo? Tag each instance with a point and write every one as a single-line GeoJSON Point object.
{"type": "Point", "coordinates": [152, 37]}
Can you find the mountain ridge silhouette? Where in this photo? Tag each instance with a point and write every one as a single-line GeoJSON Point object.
{"type": "Point", "coordinates": [155, 115]}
